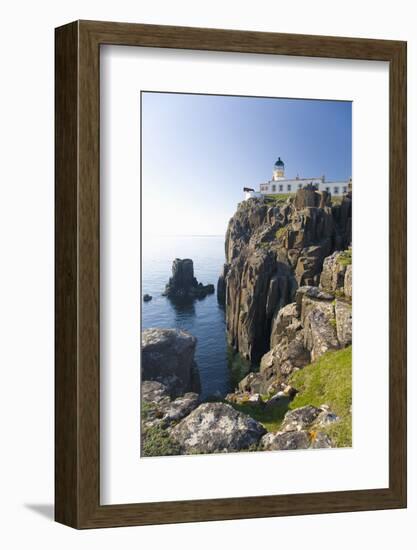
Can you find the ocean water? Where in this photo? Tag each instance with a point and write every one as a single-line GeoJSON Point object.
{"type": "Point", "coordinates": [204, 319]}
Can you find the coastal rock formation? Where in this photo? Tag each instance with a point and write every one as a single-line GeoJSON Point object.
{"type": "Point", "coordinates": [285, 441]}
{"type": "Point", "coordinates": [300, 429]}
{"type": "Point", "coordinates": [183, 284]}
{"type": "Point", "coordinates": [221, 285]}
{"type": "Point", "coordinates": [301, 333]}
{"type": "Point", "coordinates": [168, 358]}
{"type": "Point", "coordinates": [299, 419]}
{"type": "Point", "coordinates": [216, 427]}
{"type": "Point", "coordinates": [160, 409]}
{"type": "Point", "coordinates": [272, 248]}
{"type": "Point", "coordinates": [333, 274]}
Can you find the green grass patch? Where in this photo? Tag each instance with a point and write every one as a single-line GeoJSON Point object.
{"type": "Point", "coordinates": [328, 381]}
{"type": "Point", "coordinates": [270, 417]}
{"type": "Point", "coordinates": [345, 258]}
{"type": "Point", "coordinates": [281, 232]}
{"type": "Point", "coordinates": [157, 442]}
{"type": "Point", "coordinates": [278, 198]}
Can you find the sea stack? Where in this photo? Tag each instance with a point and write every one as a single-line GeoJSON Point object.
{"type": "Point", "coordinates": [183, 284]}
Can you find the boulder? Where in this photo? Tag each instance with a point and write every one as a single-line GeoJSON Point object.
{"type": "Point", "coordinates": [320, 440]}
{"type": "Point", "coordinates": [295, 440]}
{"type": "Point", "coordinates": [154, 392]}
{"type": "Point", "coordinates": [325, 417]}
{"type": "Point", "coordinates": [299, 419]}
{"type": "Point", "coordinates": [285, 441]}
{"type": "Point", "coordinates": [168, 358]}
{"type": "Point", "coordinates": [179, 408]}
{"type": "Point", "coordinates": [216, 427]}
{"type": "Point", "coordinates": [165, 412]}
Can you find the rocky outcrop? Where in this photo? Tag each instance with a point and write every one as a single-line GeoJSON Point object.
{"type": "Point", "coordinates": [301, 429]}
{"type": "Point", "coordinates": [168, 358]}
{"type": "Point", "coordinates": [216, 427]}
{"type": "Point", "coordinates": [285, 441]}
{"type": "Point", "coordinates": [301, 332]}
{"type": "Point", "coordinates": [183, 284]}
{"type": "Point", "coordinates": [154, 392]}
{"type": "Point", "coordinates": [161, 410]}
{"type": "Point", "coordinates": [348, 282]}
{"type": "Point", "coordinates": [343, 312]}
{"type": "Point", "coordinates": [299, 419]}
{"type": "Point", "coordinates": [271, 250]}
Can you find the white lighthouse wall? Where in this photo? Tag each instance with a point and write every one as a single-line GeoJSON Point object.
{"type": "Point", "coordinates": [284, 186]}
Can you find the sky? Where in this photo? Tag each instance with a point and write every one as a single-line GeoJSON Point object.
{"type": "Point", "coordinates": [199, 151]}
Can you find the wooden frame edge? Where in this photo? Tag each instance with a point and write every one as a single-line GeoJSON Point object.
{"type": "Point", "coordinates": [77, 274]}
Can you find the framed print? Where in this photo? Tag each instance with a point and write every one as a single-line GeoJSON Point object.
{"type": "Point", "coordinates": [230, 274]}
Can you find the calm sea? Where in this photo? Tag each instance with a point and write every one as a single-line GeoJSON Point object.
{"type": "Point", "coordinates": [204, 318]}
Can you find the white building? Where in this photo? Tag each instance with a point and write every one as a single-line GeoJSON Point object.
{"type": "Point", "coordinates": [279, 184]}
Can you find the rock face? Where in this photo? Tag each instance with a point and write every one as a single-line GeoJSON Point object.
{"type": "Point", "coordinates": [168, 358]}
{"type": "Point", "coordinates": [300, 333]}
{"type": "Point", "coordinates": [271, 250]}
{"type": "Point", "coordinates": [300, 429]}
{"type": "Point", "coordinates": [299, 419]}
{"type": "Point", "coordinates": [216, 427]}
{"type": "Point", "coordinates": [286, 441]}
{"type": "Point", "coordinates": [183, 284]}
{"type": "Point", "coordinates": [163, 411]}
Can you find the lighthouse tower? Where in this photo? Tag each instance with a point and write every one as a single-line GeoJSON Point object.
{"type": "Point", "coordinates": [278, 171]}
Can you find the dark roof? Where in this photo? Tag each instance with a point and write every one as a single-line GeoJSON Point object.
{"type": "Point", "coordinates": [279, 162]}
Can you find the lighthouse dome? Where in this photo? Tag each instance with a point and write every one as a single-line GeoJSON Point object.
{"type": "Point", "coordinates": [279, 162]}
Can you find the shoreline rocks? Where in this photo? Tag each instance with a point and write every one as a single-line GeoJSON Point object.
{"type": "Point", "coordinates": [168, 358]}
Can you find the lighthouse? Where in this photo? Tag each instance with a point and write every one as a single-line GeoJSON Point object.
{"type": "Point", "coordinates": [278, 170]}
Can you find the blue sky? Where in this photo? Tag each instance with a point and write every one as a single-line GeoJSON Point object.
{"type": "Point", "coordinates": [199, 151]}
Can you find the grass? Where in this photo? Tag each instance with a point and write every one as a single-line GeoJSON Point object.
{"type": "Point", "coordinates": [345, 258]}
{"type": "Point", "coordinates": [328, 381]}
{"type": "Point", "coordinates": [281, 232]}
{"type": "Point", "coordinates": [279, 197]}
{"type": "Point", "coordinates": [270, 417]}
{"type": "Point", "coordinates": [155, 439]}
{"type": "Point", "coordinates": [157, 442]}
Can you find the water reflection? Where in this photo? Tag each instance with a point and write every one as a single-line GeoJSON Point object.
{"type": "Point", "coordinates": [183, 307]}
